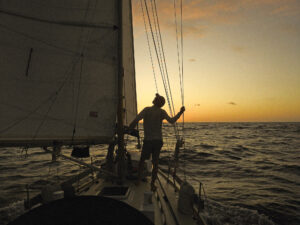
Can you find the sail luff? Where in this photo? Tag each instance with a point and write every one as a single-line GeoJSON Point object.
{"type": "Point", "coordinates": [130, 100]}
{"type": "Point", "coordinates": [133, 56]}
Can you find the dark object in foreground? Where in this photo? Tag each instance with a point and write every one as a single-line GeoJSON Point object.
{"type": "Point", "coordinates": [81, 152]}
{"type": "Point", "coordinates": [132, 132]}
{"type": "Point", "coordinates": [83, 210]}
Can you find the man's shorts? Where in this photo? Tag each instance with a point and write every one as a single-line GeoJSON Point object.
{"type": "Point", "coordinates": [151, 147]}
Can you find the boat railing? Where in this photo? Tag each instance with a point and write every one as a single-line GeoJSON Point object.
{"type": "Point", "coordinates": [176, 182]}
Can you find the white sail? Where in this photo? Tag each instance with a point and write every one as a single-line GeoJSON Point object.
{"type": "Point", "coordinates": [130, 101]}
{"type": "Point", "coordinates": [59, 70]}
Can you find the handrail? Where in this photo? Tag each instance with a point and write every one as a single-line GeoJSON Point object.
{"type": "Point", "coordinates": [179, 182]}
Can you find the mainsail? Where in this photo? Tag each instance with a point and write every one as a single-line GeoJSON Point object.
{"type": "Point", "coordinates": [59, 71]}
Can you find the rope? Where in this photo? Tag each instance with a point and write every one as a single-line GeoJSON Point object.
{"type": "Point", "coordinates": [82, 48]}
{"type": "Point", "coordinates": [180, 67]}
{"type": "Point", "coordinates": [158, 45]}
{"type": "Point", "coordinates": [150, 52]}
{"type": "Point", "coordinates": [78, 96]}
{"type": "Point", "coordinates": [181, 31]}
{"type": "Point", "coordinates": [182, 90]}
{"type": "Point", "coordinates": [158, 59]}
{"type": "Point", "coordinates": [164, 60]}
{"type": "Point", "coordinates": [158, 42]}
{"type": "Point", "coordinates": [167, 76]}
{"type": "Point", "coordinates": [156, 51]}
{"type": "Point", "coordinates": [178, 57]}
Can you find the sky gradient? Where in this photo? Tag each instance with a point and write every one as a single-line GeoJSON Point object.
{"type": "Point", "coordinates": [241, 59]}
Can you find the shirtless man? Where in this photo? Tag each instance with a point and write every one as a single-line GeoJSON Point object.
{"type": "Point", "coordinates": [153, 142]}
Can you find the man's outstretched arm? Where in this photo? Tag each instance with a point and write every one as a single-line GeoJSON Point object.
{"type": "Point", "coordinates": [175, 118]}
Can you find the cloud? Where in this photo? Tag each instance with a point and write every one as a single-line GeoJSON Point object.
{"type": "Point", "coordinates": [200, 15]}
{"type": "Point", "coordinates": [192, 60]}
{"type": "Point", "coordinates": [291, 29]}
{"type": "Point", "coordinates": [238, 49]}
{"type": "Point", "coordinates": [278, 7]}
{"type": "Point", "coordinates": [232, 103]}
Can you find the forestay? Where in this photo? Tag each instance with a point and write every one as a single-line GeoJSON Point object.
{"type": "Point", "coordinates": [59, 71]}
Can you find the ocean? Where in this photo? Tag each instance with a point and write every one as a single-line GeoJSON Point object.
{"type": "Point", "coordinates": [250, 171]}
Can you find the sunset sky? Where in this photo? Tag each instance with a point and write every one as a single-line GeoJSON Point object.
{"type": "Point", "coordinates": [241, 59]}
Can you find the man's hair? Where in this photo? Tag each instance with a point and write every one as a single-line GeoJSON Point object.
{"type": "Point", "coordinates": [159, 101]}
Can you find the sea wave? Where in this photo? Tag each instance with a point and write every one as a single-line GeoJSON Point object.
{"type": "Point", "coordinates": [207, 146]}
{"type": "Point", "coordinates": [220, 214]}
{"type": "Point", "coordinates": [245, 167]}
{"type": "Point", "coordinates": [294, 169]}
{"type": "Point", "coordinates": [11, 212]}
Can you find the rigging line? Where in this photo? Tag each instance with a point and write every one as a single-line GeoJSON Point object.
{"type": "Point", "coordinates": [158, 59]}
{"type": "Point", "coordinates": [157, 54]}
{"type": "Point", "coordinates": [178, 57]}
{"type": "Point", "coordinates": [182, 90]}
{"type": "Point", "coordinates": [167, 76]}
{"type": "Point", "coordinates": [62, 23]}
{"type": "Point", "coordinates": [180, 73]}
{"type": "Point", "coordinates": [156, 23]}
{"type": "Point", "coordinates": [182, 87]}
{"type": "Point", "coordinates": [82, 49]}
{"type": "Point", "coordinates": [164, 58]}
{"type": "Point", "coordinates": [157, 38]}
{"type": "Point", "coordinates": [44, 119]}
{"type": "Point", "coordinates": [181, 31]}
{"type": "Point", "coordinates": [155, 47]}
{"type": "Point", "coordinates": [149, 48]}
{"type": "Point", "coordinates": [78, 96]}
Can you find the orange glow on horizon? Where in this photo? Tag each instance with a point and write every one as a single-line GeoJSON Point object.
{"type": "Point", "coordinates": [240, 60]}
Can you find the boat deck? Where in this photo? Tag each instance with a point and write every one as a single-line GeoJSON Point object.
{"type": "Point", "coordinates": [161, 209]}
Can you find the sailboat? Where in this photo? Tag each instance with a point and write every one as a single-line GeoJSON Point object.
{"type": "Point", "coordinates": [68, 79]}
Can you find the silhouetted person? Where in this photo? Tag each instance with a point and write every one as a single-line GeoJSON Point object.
{"type": "Point", "coordinates": [153, 142]}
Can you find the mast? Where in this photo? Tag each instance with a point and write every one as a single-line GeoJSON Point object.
{"type": "Point", "coordinates": [120, 112]}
